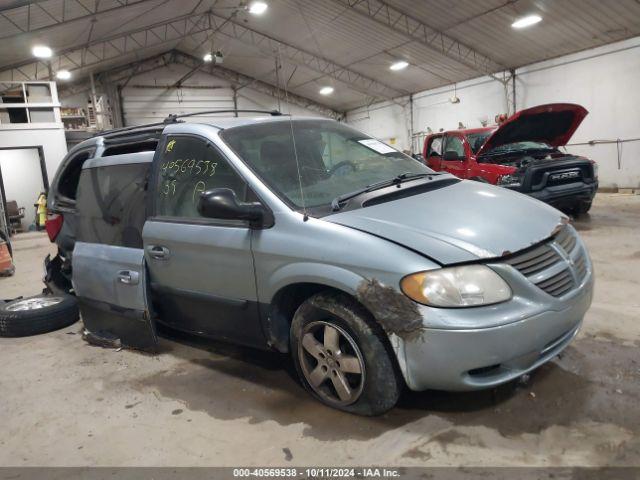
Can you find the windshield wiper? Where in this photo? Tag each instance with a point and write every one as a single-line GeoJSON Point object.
{"type": "Point", "coordinates": [397, 180]}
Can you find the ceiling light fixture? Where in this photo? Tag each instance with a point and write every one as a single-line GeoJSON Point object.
{"type": "Point", "coordinates": [63, 75]}
{"type": "Point", "coordinates": [42, 51]}
{"type": "Point", "coordinates": [208, 57]}
{"type": "Point", "coordinates": [399, 65]}
{"type": "Point", "coordinates": [258, 8]}
{"type": "Point", "coordinates": [326, 90]}
{"type": "Point", "coordinates": [527, 21]}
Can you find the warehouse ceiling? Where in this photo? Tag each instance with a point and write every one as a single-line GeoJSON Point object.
{"type": "Point", "coordinates": [305, 45]}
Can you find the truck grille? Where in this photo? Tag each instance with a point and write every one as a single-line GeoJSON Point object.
{"type": "Point", "coordinates": [551, 175]}
{"type": "Point", "coordinates": [564, 176]}
{"type": "Point", "coordinates": [557, 266]}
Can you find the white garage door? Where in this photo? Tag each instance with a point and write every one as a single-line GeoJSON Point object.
{"type": "Point", "coordinates": [148, 105]}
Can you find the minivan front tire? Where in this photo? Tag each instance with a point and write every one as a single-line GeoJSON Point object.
{"type": "Point", "coordinates": [341, 356]}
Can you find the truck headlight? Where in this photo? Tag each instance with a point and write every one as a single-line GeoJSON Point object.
{"type": "Point", "coordinates": [466, 286]}
{"type": "Point", "coordinates": [509, 181]}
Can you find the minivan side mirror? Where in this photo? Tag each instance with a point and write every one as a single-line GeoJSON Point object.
{"type": "Point", "coordinates": [452, 155]}
{"type": "Point", "coordinates": [222, 203]}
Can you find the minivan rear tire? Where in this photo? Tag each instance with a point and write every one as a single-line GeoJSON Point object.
{"type": "Point", "coordinates": [19, 319]}
{"type": "Point", "coordinates": [377, 387]}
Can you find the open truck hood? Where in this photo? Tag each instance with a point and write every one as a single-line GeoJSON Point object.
{"type": "Point", "coordinates": [554, 124]}
{"type": "Point", "coordinates": [463, 222]}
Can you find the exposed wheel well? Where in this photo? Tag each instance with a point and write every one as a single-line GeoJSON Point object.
{"type": "Point", "coordinates": [279, 313]}
{"type": "Point", "coordinates": [282, 307]}
{"type": "Point", "coordinates": [287, 300]}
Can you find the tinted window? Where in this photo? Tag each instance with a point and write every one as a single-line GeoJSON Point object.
{"type": "Point", "coordinates": [68, 183]}
{"type": "Point", "coordinates": [147, 146]}
{"type": "Point", "coordinates": [454, 144]}
{"type": "Point", "coordinates": [189, 166]}
{"type": "Point", "coordinates": [111, 205]}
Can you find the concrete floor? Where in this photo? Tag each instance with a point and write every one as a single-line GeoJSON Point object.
{"type": "Point", "coordinates": [65, 403]}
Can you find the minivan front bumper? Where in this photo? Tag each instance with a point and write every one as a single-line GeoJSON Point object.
{"type": "Point", "coordinates": [470, 359]}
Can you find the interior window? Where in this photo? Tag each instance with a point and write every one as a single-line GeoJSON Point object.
{"type": "Point", "coordinates": [455, 144]}
{"type": "Point", "coordinates": [188, 167]}
{"type": "Point", "coordinates": [435, 147]}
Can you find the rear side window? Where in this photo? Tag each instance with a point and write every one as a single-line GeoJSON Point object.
{"type": "Point", "coordinates": [68, 183]}
{"type": "Point", "coordinates": [188, 167]}
{"type": "Point", "coordinates": [111, 205]}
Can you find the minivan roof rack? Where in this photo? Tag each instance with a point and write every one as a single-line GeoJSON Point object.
{"type": "Point", "coordinates": [273, 113]}
{"type": "Point", "coordinates": [139, 128]}
{"type": "Point", "coordinates": [173, 118]}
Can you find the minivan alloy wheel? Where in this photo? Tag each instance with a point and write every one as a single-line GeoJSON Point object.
{"type": "Point", "coordinates": [37, 314]}
{"type": "Point", "coordinates": [34, 303]}
{"type": "Point", "coordinates": [331, 363]}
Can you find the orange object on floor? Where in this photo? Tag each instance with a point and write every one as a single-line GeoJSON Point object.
{"type": "Point", "coordinates": [6, 263]}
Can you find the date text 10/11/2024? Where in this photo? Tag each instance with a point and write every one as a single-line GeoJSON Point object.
{"type": "Point", "coordinates": [317, 473]}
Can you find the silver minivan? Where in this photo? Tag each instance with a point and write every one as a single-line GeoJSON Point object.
{"type": "Point", "coordinates": [308, 237]}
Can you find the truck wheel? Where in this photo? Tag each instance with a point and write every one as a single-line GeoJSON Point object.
{"type": "Point", "coordinates": [582, 208]}
{"type": "Point", "coordinates": [37, 314]}
{"type": "Point", "coordinates": [341, 357]}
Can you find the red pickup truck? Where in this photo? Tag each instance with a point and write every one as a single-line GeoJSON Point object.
{"type": "Point", "coordinates": [522, 154]}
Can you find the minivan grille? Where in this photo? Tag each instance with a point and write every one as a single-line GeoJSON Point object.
{"type": "Point", "coordinates": [557, 266]}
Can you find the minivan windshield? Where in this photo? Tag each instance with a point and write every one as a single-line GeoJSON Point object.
{"type": "Point", "coordinates": [312, 162]}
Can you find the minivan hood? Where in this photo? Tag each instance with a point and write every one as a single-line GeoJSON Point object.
{"type": "Point", "coordinates": [463, 222]}
{"type": "Point", "coordinates": [554, 124]}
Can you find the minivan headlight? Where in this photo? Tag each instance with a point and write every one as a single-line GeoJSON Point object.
{"type": "Point", "coordinates": [465, 286]}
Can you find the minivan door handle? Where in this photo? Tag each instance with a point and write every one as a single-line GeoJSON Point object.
{"type": "Point", "coordinates": [158, 252]}
{"type": "Point", "coordinates": [128, 278]}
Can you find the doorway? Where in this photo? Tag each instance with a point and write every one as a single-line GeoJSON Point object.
{"type": "Point", "coordinates": [23, 176]}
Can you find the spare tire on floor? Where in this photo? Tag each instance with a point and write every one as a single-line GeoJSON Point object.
{"type": "Point", "coordinates": [37, 314]}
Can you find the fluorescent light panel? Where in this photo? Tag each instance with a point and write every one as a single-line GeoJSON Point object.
{"type": "Point", "coordinates": [399, 65]}
{"type": "Point", "coordinates": [258, 8]}
{"type": "Point", "coordinates": [527, 21]}
{"type": "Point", "coordinates": [326, 90]}
{"type": "Point", "coordinates": [63, 75]}
{"type": "Point", "coordinates": [41, 51]}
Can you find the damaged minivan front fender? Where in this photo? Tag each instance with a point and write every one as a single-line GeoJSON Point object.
{"type": "Point", "coordinates": [332, 257]}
